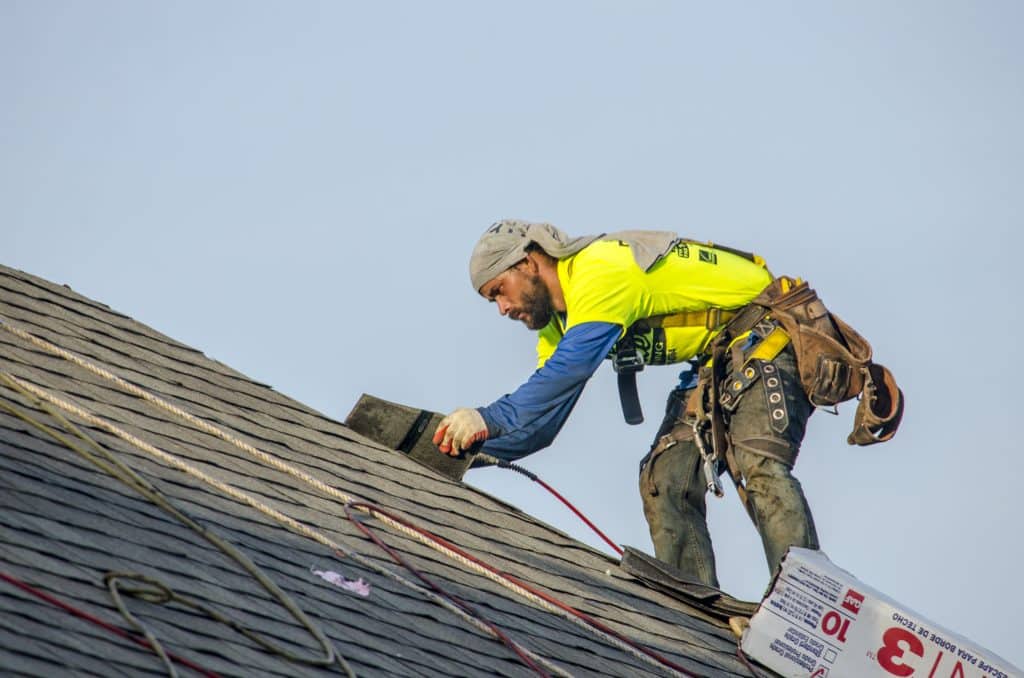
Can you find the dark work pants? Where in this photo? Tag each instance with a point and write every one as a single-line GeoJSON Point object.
{"type": "Point", "coordinates": [673, 486]}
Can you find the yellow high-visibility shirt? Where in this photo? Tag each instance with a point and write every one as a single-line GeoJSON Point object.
{"type": "Point", "coordinates": [602, 282]}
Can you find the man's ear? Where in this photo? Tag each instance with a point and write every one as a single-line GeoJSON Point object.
{"type": "Point", "coordinates": [532, 262]}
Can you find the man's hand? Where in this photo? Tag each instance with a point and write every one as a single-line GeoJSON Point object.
{"type": "Point", "coordinates": [460, 430]}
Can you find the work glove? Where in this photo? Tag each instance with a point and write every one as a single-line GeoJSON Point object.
{"type": "Point", "coordinates": [460, 430]}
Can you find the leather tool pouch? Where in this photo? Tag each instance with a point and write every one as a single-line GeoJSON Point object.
{"type": "Point", "coordinates": [834, 360]}
{"type": "Point", "coordinates": [880, 409]}
{"type": "Point", "coordinates": [830, 354]}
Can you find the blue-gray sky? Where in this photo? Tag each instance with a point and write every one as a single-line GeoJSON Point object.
{"type": "Point", "coordinates": [294, 188]}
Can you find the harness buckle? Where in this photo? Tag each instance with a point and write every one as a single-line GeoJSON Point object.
{"type": "Point", "coordinates": [628, 361]}
{"type": "Point", "coordinates": [714, 318]}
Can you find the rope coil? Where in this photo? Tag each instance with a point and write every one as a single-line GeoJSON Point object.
{"type": "Point", "coordinates": [92, 619]}
{"type": "Point", "coordinates": [157, 592]}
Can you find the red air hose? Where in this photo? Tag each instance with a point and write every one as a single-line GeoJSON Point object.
{"type": "Point", "coordinates": [540, 594]}
{"type": "Point", "coordinates": [535, 478]}
{"type": "Point", "coordinates": [463, 605]}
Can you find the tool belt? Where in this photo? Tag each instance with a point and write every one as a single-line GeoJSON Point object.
{"type": "Point", "coordinates": [834, 360]}
{"type": "Point", "coordinates": [834, 365]}
{"type": "Point", "coordinates": [629, 359]}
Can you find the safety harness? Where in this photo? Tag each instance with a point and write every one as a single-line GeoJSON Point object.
{"type": "Point", "coordinates": [833, 360]}
{"type": "Point", "coordinates": [629, 359]}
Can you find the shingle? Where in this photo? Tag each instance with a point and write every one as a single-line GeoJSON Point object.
{"type": "Point", "coordinates": [64, 523]}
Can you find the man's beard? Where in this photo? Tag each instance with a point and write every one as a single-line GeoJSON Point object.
{"type": "Point", "coordinates": [537, 306]}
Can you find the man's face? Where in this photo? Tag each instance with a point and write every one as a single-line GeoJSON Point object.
{"type": "Point", "coordinates": [521, 295]}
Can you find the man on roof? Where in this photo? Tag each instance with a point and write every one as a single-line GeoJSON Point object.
{"type": "Point", "coordinates": [652, 298]}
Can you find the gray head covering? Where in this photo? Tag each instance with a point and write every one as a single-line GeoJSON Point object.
{"type": "Point", "coordinates": [504, 244]}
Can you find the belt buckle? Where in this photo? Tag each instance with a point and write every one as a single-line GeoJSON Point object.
{"type": "Point", "coordinates": [714, 318]}
{"type": "Point", "coordinates": [765, 326]}
{"type": "Point", "coordinates": [628, 361]}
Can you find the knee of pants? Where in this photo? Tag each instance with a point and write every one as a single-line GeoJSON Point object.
{"type": "Point", "coordinates": [769, 480]}
{"type": "Point", "coordinates": [758, 468]}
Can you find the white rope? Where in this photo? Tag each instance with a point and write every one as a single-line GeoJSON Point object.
{"type": "Point", "coordinates": [315, 535]}
{"type": "Point", "coordinates": [325, 488]}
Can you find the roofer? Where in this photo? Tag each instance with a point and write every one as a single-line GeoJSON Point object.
{"type": "Point", "coordinates": [652, 298]}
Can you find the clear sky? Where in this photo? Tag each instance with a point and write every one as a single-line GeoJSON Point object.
{"type": "Point", "coordinates": [294, 189]}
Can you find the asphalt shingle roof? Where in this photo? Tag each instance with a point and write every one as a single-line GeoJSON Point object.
{"type": "Point", "coordinates": [64, 523]}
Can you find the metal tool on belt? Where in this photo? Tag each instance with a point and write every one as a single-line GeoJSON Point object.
{"type": "Point", "coordinates": [714, 483]}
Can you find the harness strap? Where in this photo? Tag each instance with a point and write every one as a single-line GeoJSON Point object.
{"type": "Point", "coordinates": [710, 318]}
{"type": "Point", "coordinates": [628, 360]}
{"type": "Point", "coordinates": [714, 379]}
{"type": "Point", "coordinates": [744, 372]}
{"type": "Point", "coordinates": [629, 398]}
{"type": "Point", "coordinates": [778, 413]}
{"type": "Point", "coordinates": [770, 346]}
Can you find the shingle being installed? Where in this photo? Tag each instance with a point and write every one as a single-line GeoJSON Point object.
{"type": "Point", "coordinates": [271, 478]}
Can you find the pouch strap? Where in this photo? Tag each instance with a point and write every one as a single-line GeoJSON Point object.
{"type": "Point", "coordinates": [778, 413]}
{"type": "Point", "coordinates": [765, 350]}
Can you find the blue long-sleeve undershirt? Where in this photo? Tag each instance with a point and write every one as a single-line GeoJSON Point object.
{"type": "Point", "coordinates": [527, 420]}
